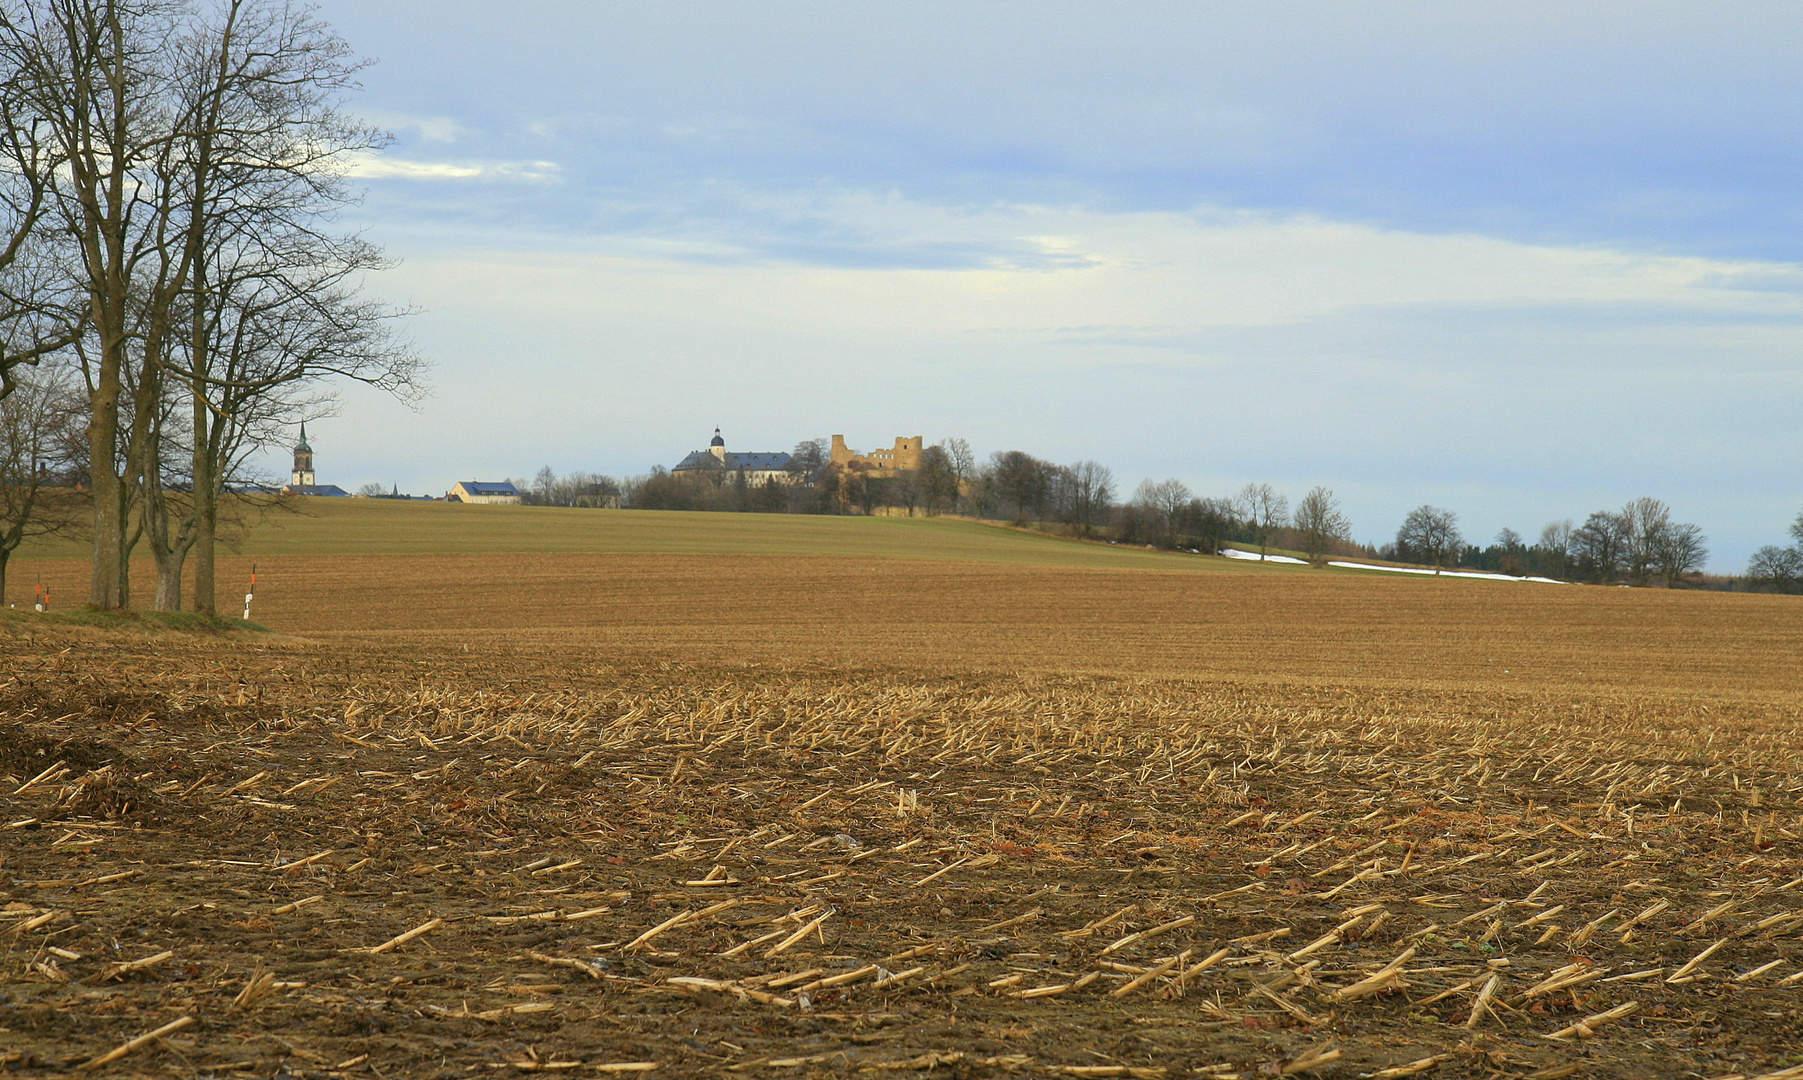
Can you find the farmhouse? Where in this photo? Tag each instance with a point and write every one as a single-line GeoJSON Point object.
{"type": "Point", "coordinates": [754, 468]}
{"type": "Point", "coordinates": [904, 457]}
{"type": "Point", "coordinates": [301, 480]}
{"type": "Point", "coordinates": [483, 491]}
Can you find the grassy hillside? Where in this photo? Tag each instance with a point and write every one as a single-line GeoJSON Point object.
{"type": "Point", "coordinates": [319, 526]}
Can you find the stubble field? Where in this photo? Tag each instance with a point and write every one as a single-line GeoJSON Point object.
{"type": "Point", "coordinates": [750, 815]}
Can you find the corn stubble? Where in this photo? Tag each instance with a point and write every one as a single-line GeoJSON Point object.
{"type": "Point", "coordinates": [412, 856]}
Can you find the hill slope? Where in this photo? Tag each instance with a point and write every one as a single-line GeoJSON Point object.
{"type": "Point", "coordinates": [320, 526]}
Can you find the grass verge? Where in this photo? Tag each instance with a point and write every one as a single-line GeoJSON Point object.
{"type": "Point", "coordinates": [190, 622]}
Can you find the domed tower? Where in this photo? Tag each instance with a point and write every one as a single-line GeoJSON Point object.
{"type": "Point", "coordinates": [717, 446]}
{"type": "Point", "coordinates": [303, 462]}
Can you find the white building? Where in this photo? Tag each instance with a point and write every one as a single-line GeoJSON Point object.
{"type": "Point", "coordinates": [482, 491]}
{"type": "Point", "coordinates": [756, 468]}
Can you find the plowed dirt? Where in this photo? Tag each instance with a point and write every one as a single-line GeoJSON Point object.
{"type": "Point", "coordinates": [684, 816]}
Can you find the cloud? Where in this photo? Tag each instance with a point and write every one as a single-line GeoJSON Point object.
{"type": "Point", "coordinates": [1540, 121]}
{"type": "Point", "coordinates": [380, 166]}
{"type": "Point", "coordinates": [429, 129]}
{"type": "Point", "coordinates": [863, 262]}
{"type": "Point", "coordinates": [1527, 261]}
{"type": "Point", "coordinates": [1767, 278]}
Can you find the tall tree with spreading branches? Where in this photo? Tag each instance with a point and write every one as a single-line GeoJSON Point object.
{"type": "Point", "coordinates": [1263, 511]}
{"type": "Point", "coordinates": [1320, 524]}
{"type": "Point", "coordinates": [1431, 535]}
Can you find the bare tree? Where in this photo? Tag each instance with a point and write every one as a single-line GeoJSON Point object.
{"type": "Point", "coordinates": [39, 313]}
{"type": "Point", "coordinates": [1089, 492]}
{"type": "Point", "coordinates": [938, 483]}
{"type": "Point", "coordinates": [94, 77]}
{"type": "Point", "coordinates": [1209, 522]}
{"type": "Point", "coordinates": [1555, 547]}
{"type": "Point", "coordinates": [904, 490]}
{"type": "Point", "coordinates": [963, 465]}
{"type": "Point", "coordinates": [1775, 568]}
{"type": "Point", "coordinates": [1430, 535]}
{"type": "Point", "coordinates": [1022, 481]}
{"type": "Point", "coordinates": [1679, 553]}
{"type": "Point", "coordinates": [864, 490]}
{"type": "Point", "coordinates": [35, 303]}
{"type": "Point", "coordinates": [193, 161]}
{"type": "Point", "coordinates": [976, 491]}
{"type": "Point", "coordinates": [1510, 549]}
{"type": "Point", "coordinates": [1164, 501]}
{"type": "Point", "coordinates": [1646, 525]}
{"type": "Point", "coordinates": [274, 337]}
{"type": "Point", "coordinates": [590, 490]}
{"type": "Point", "coordinates": [808, 459]}
{"type": "Point", "coordinates": [36, 497]}
{"type": "Point", "coordinates": [1320, 524]}
{"type": "Point", "coordinates": [272, 297]}
{"type": "Point", "coordinates": [1637, 543]}
{"type": "Point", "coordinates": [1264, 511]}
{"type": "Point", "coordinates": [1600, 545]}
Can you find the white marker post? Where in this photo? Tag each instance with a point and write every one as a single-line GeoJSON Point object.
{"type": "Point", "coordinates": [252, 594]}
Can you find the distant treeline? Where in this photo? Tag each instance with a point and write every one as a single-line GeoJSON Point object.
{"type": "Point", "coordinates": [1640, 544]}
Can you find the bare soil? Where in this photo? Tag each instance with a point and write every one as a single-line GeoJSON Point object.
{"type": "Point", "coordinates": [614, 860]}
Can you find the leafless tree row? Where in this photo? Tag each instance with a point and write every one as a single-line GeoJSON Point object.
{"type": "Point", "coordinates": [168, 189]}
{"type": "Point", "coordinates": [1779, 569]}
{"type": "Point", "coordinates": [581, 489]}
{"type": "Point", "coordinates": [1635, 545]}
{"type": "Point", "coordinates": [1640, 544]}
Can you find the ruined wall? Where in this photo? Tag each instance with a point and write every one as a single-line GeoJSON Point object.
{"type": "Point", "coordinates": [903, 457]}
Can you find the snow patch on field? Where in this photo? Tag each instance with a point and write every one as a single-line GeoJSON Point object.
{"type": "Point", "coordinates": [1480, 574]}
{"type": "Point", "coordinates": [1234, 553]}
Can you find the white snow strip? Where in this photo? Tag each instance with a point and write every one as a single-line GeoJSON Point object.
{"type": "Point", "coordinates": [1480, 574]}
{"type": "Point", "coordinates": [1235, 553]}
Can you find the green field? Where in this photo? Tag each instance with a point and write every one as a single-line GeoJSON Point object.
{"type": "Point", "coordinates": [321, 526]}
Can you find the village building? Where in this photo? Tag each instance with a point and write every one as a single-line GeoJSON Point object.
{"type": "Point", "coordinates": [753, 468]}
{"type": "Point", "coordinates": [301, 480]}
{"type": "Point", "coordinates": [904, 457]}
{"type": "Point", "coordinates": [483, 491]}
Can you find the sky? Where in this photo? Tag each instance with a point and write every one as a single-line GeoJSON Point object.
{"type": "Point", "coordinates": [1520, 261]}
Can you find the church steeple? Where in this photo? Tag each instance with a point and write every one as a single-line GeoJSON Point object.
{"type": "Point", "coordinates": [303, 461]}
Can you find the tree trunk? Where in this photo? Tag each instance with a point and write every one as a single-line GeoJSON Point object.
{"type": "Point", "coordinates": [206, 599]}
{"type": "Point", "coordinates": [169, 579]}
{"type": "Point", "coordinates": [206, 498]}
{"type": "Point", "coordinates": [107, 589]}
{"type": "Point", "coordinates": [171, 534]}
{"type": "Point", "coordinates": [162, 526]}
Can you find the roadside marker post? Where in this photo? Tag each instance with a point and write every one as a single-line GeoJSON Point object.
{"type": "Point", "coordinates": [252, 594]}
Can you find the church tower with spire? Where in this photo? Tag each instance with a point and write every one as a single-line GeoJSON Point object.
{"type": "Point", "coordinates": [303, 461]}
